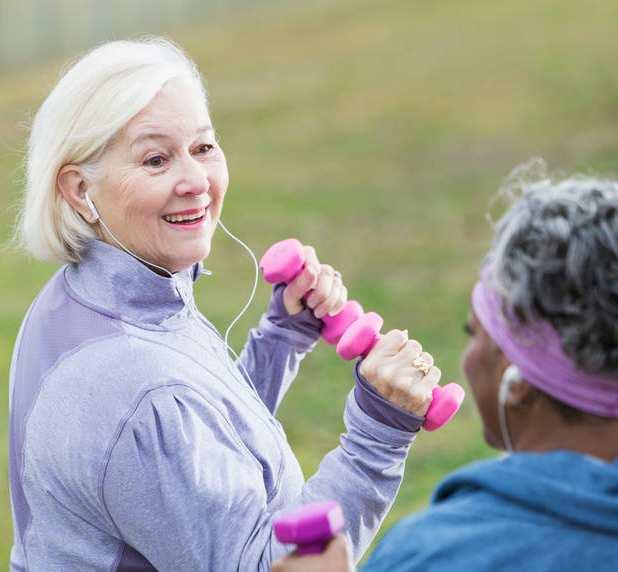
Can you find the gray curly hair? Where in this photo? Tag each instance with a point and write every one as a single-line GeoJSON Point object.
{"type": "Point", "coordinates": [554, 257]}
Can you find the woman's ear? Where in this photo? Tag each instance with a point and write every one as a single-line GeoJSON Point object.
{"type": "Point", "coordinates": [73, 186]}
{"type": "Point", "coordinates": [514, 389]}
{"type": "Point", "coordinates": [522, 394]}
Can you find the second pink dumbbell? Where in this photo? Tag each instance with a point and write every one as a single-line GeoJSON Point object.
{"type": "Point", "coordinates": [354, 332]}
{"type": "Point", "coordinates": [310, 526]}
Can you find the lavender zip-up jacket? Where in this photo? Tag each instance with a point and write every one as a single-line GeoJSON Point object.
{"type": "Point", "coordinates": [136, 443]}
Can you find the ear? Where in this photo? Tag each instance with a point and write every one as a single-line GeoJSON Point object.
{"type": "Point", "coordinates": [73, 186]}
{"type": "Point", "coordinates": [522, 394]}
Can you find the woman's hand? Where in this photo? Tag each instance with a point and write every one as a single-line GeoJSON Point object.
{"type": "Point", "coordinates": [401, 372]}
{"type": "Point", "coordinates": [336, 558]}
{"type": "Point", "coordinates": [329, 294]}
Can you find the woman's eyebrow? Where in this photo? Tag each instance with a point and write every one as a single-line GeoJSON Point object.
{"type": "Point", "coordinates": [204, 129]}
{"type": "Point", "coordinates": [157, 135]}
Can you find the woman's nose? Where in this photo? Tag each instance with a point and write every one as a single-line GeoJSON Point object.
{"type": "Point", "coordinates": [193, 178]}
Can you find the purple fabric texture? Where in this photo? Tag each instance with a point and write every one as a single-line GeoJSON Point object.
{"type": "Point", "coordinates": [304, 322]}
{"type": "Point", "coordinates": [137, 444]}
{"type": "Point", "coordinates": [56, 326]}
{"type": "Point", "coordinates": [537, 352]}
{"type": "Point", "coordinates": [133, 561]}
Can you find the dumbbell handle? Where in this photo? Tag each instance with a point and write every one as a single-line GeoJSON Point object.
{"type": "Point", "coordinates": [310, 526]}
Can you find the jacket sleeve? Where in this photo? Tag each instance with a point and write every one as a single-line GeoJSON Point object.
{"type": "Point", "coordinates": [274, 350]}
{"type": "Point", "coordinates": [182, 489]}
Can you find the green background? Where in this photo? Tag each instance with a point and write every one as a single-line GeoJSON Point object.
{"type": "Point", "coordinates": [376, 132]}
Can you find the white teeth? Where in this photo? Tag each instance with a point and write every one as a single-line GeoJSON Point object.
{"type": "Point", "coordinates": [188, 217]}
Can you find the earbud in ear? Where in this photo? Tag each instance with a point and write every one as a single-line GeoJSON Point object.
{"type": "Point", "coordinates": [93, 209]}
{"type": "Point", "coordinates": [510, 376]}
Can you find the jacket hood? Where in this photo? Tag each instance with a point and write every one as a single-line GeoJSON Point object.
{"type": "Point", "coordinates": [573, 489]}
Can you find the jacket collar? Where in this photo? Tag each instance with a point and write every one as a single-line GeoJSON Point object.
{"type": "Point", "coordinates": [116, 283]}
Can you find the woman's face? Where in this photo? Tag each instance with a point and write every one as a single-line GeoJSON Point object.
{"type": "Point", "coordinates": [164, 180]}
{"type": "Point", "coordinates": [484, 365]}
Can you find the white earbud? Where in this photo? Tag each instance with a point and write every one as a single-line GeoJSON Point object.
{"type": "Point", "coordinates": [93, 209]}
{"type": "Point", "coordinates": [510, 377]}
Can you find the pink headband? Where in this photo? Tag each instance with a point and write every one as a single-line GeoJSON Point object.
{"type": "Point", "coordinates": [537, 352]}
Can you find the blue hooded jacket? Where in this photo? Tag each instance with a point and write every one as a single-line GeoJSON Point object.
{"type": "Point", "coordinates": [528, 511]}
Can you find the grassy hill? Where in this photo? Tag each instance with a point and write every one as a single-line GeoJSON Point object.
{"type": "Point", "coordinates": [377, 132]}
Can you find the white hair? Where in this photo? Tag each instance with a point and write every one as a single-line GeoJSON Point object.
{"type": "Point", "coordinates": [96, 97]}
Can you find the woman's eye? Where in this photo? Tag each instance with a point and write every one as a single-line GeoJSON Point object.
{"type": "Point", "coordinates": [204, 148]}
{"type": "Point", "coordinates": [467, 328]}
{"type": "Point", "coordinates": [157, 161]}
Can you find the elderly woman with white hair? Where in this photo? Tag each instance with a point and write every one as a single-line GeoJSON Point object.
{"type": "Point", "coordinates": [136, 442]}
{"type": "Point", "coordinates": [542, 362]}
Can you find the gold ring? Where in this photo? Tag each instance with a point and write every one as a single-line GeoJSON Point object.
{"type": "Point", "coordinates": [421, 365]}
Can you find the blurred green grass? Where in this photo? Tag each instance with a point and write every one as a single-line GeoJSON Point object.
{"type": "Point", "coordinates": [377, 132]}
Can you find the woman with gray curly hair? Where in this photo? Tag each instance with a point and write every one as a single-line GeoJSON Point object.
{"type": "Point", "coordinates": [542, 362]}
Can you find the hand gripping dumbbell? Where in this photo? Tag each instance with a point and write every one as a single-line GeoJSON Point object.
{"type": "Point", "coordinates": [310, 527]}
{"type": "Point", "coordinates": [354, 332]}
{"type": "Point", "coordinates": [364, 333]}
{"type": "Point", "coordinates": [283, 262]}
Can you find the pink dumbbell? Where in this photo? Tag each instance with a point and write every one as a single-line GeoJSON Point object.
{"type": "Point", "coordinates": [354, 332]}
{"type": "Point", "coordinates": [310, 527]}
{"type": "Point", "coordinates": [363, 334]}
{"type": "Point", "coordinates": [283, 262]}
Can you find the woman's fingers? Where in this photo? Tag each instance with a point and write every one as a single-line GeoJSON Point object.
{"type": "Point", "coordinates": [401, 372]}
{"type": "Point", "coordinates": [340, 298]}
{"type": "Point", "coordinates": [336, 558]}
{"type": "Point", "coordinates": [410, 356]}
{"type": "Point", "coordinates": [311, 258]}
{"type": "Point", "coordinates": [432, 378]}
{"type": "Point", "coordinates": [305, 281]}
{"type": "Point", "coordinates": [411, 351]}
{"type": "Point", "coordinates": [411, 389]}
{"type": "Point", "coordinates": [334, 301]}
{"type": "Point", "coordinates": [327, 294]}
{"type": "Point", "coordinates": [322, 289]}
{"type": "Point", "coordinates": [376, 367]}
{"type": "Point", "coordinates": [390, 344]}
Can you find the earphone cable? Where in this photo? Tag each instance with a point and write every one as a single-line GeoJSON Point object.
{"type": "Point", "coordinates": [506, 437]}
{"type": "Point", "coordinates": [237, 318]}
{"type": "Point", "coordinates": [130, 252]}
{"type": "Point", "coordinates": [253, 289]}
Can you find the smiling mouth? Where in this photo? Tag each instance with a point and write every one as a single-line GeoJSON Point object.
{"type": "Point", "coordinates": [187, 218]}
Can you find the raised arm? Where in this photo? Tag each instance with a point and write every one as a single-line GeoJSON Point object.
{"type": "Point", "coordinates": [273, 351]}
{"type": "Point", "coordinates": [183, 488]}
{"type": "Point", "coordinates": [290, 328]}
